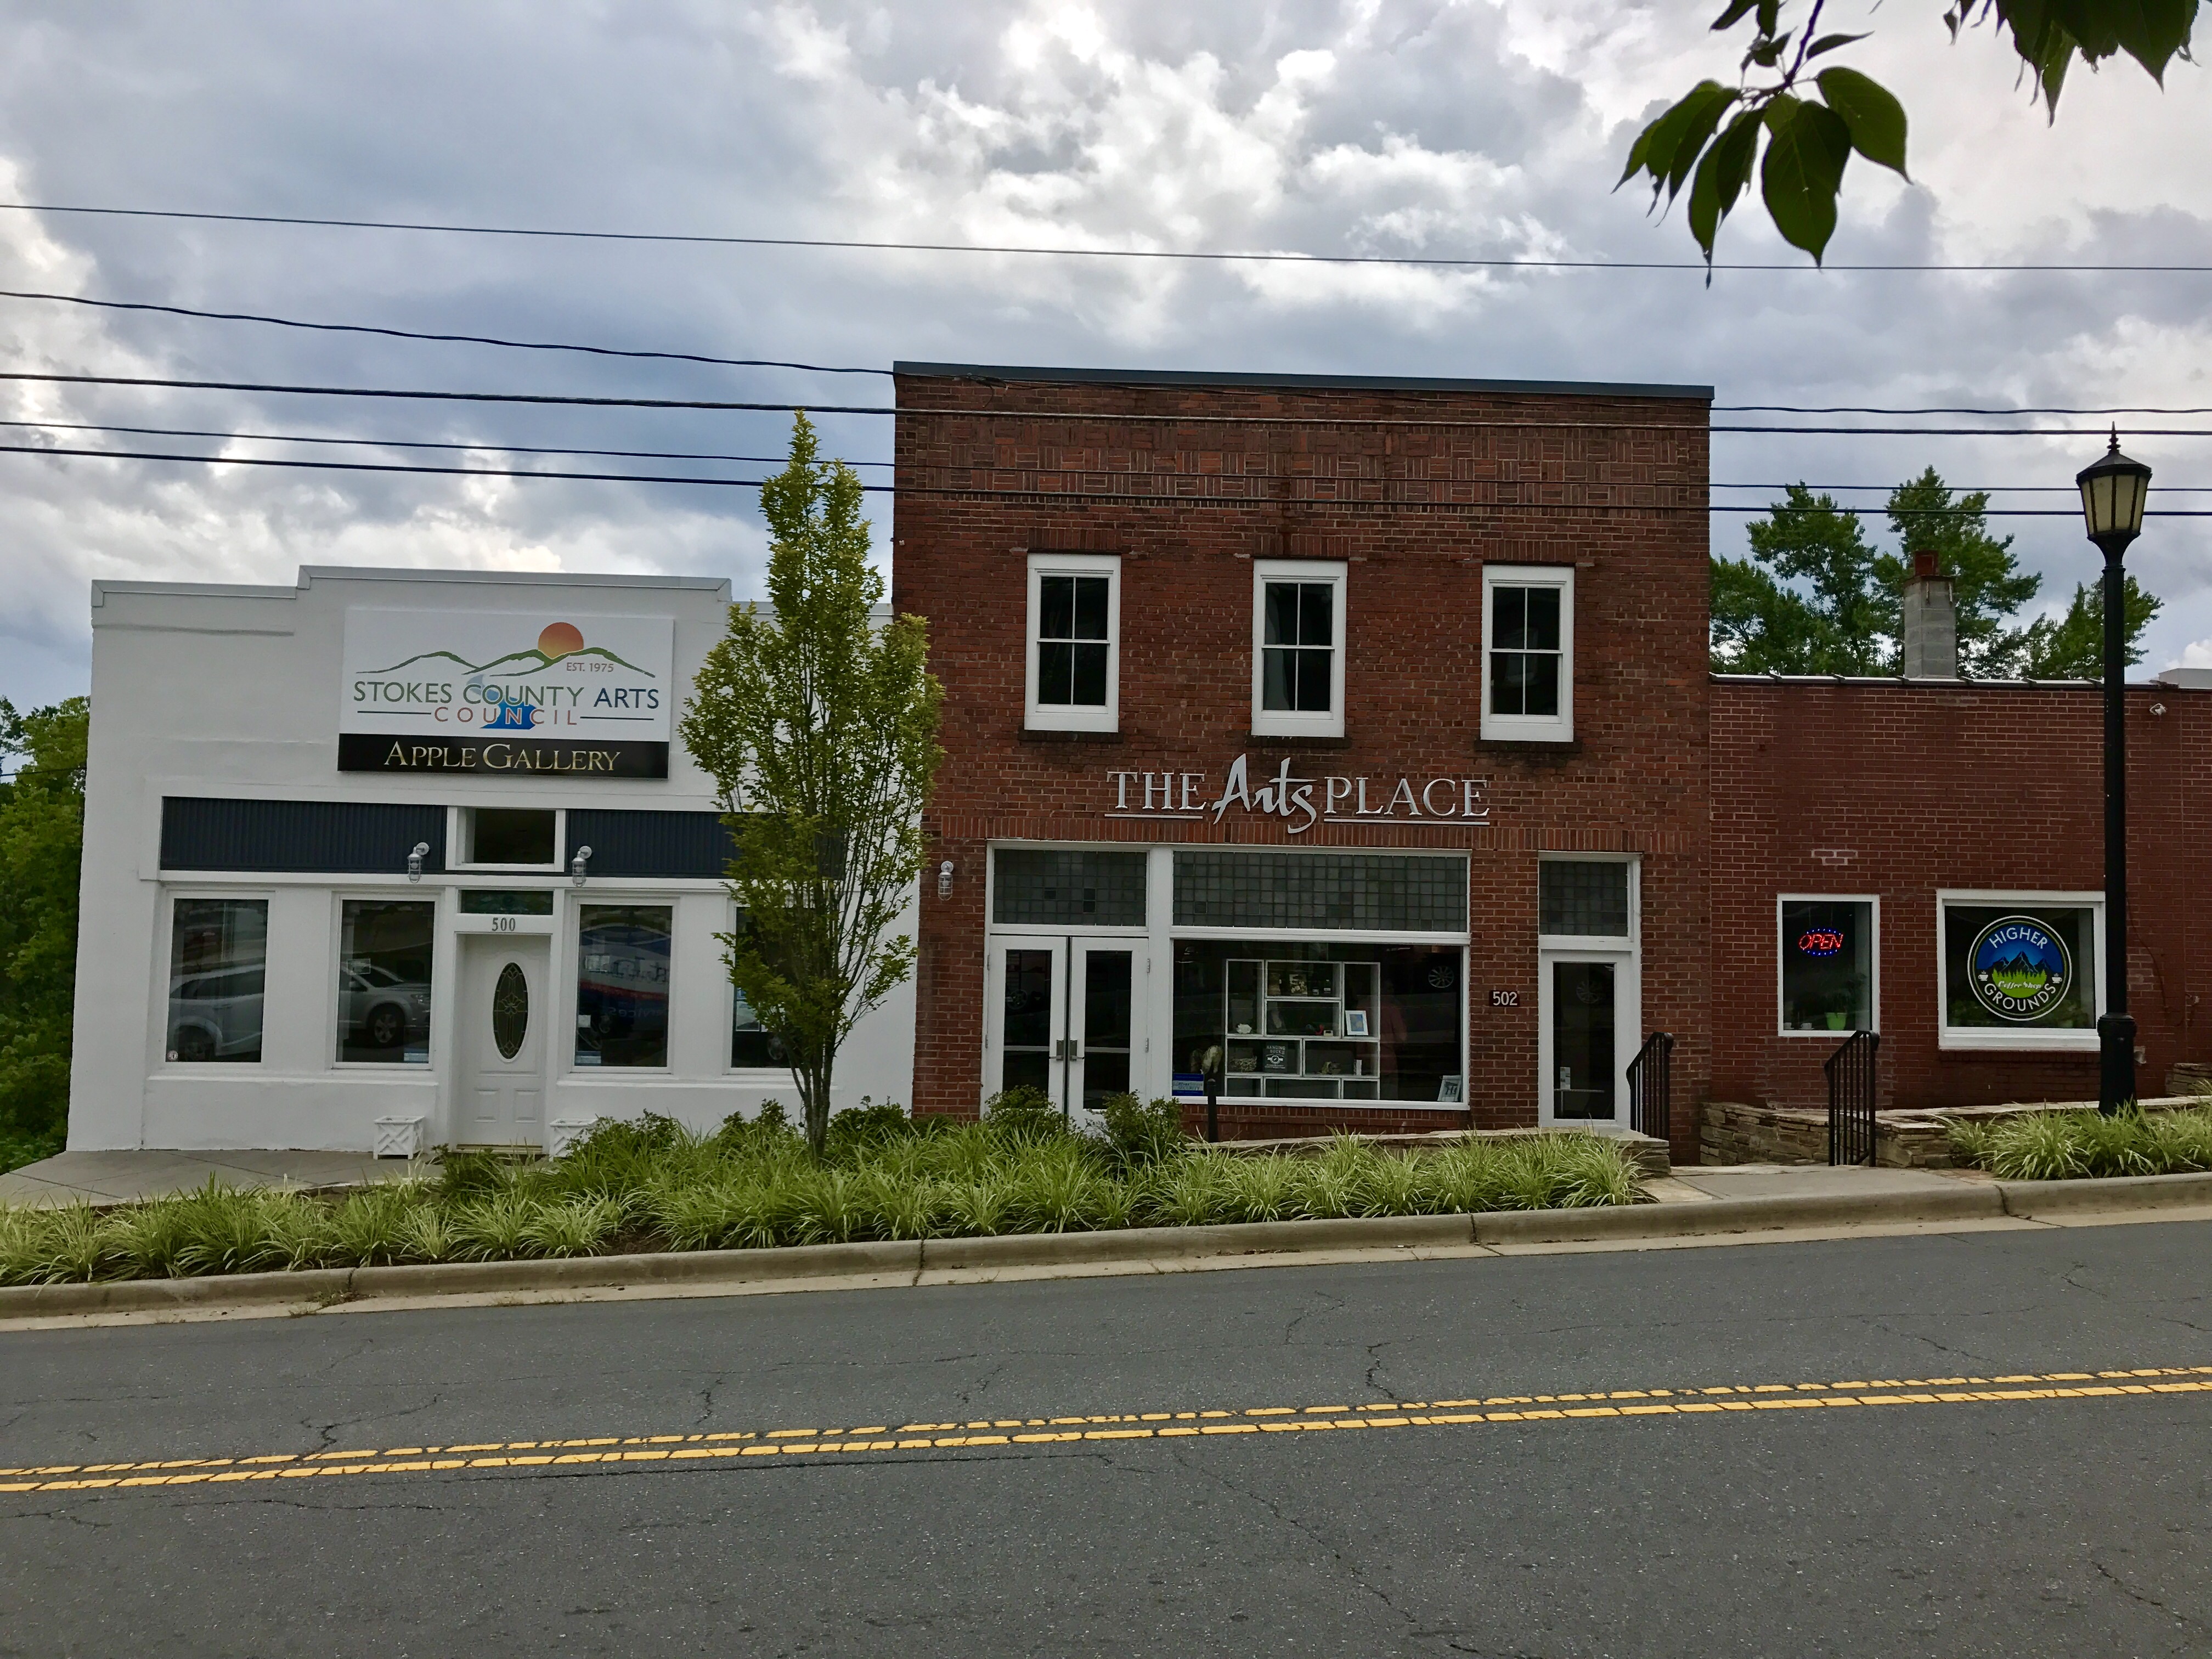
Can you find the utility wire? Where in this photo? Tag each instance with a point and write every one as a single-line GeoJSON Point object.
{"type": "Point", "coordinates": [412, 334]}
{"type": "Point", "coordinates": [1207, 256]}
{"type": "Point", "coordinates": [403, 443]}
{"type": "Point", "coordinates": [1153, 500]}
{"type": "Point", "coordinates": [1120, 418]}
{"type": "Point", "coordinates": [777, 460]}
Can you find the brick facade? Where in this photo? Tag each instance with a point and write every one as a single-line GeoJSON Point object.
{"type": "Point", "coordinates": [1901, 790]}
{"type": "Point", "coordinates": [1730, 791]}
{"type": "Point", "coordinates": [1415, 490]}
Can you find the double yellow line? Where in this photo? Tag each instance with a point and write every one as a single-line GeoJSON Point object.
{"type": "Point", "coordinates": [607, 1452]}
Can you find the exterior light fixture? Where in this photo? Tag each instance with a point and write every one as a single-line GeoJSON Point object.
{"type": "Point", "coordinates": [944, 879]}
{"type": "Point", "coordinates": [414, 860]}
{"type": "Point", "coordinates": [576, 865]}
{"type": "Point", "coordinates": [2113, 491]}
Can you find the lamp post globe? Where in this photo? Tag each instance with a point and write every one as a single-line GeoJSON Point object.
{"type": "Point", "coordinates": [2113, 491]}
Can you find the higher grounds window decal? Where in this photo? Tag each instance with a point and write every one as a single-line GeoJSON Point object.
{"type": "Point", "coordinates": [2020, 973]}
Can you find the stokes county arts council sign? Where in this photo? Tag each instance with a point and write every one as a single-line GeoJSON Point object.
{"type": "Point", "coordinates": [505, 692]}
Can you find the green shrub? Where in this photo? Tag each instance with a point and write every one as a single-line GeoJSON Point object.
{"type": "Point", "coordinates": [574, 1226]}
{"type": "Point", "coordinates": [1023, 1114]}
{"type": "Point", "coordinates": [2073, 1145]}
{"type": "Point", "coordinates": [858, 1130]}
{"type": "Point", "coordinates": [1142, 1134]}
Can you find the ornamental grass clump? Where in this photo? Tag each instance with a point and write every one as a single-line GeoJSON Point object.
{"type": "Point", "coordinates": [652, 1184]}
{"type": "Point", "coordinates": [2077, 1144]}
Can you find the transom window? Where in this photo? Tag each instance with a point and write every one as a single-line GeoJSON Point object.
{"type": "Point", "coordinates": [1298, 650]}
{"type": "Point", "coordinates": [1528, 625]}
{"type": "Point", "coordinates": [1074, 613]}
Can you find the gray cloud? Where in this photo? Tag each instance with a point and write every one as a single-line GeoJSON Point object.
{"type": "Point", "coordinates": [1363, 126]}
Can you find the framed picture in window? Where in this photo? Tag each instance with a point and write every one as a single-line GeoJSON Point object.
{"type": "Point", "coordinates": [1355, 1021]}
{"type": "Point", "coordinates": [1449, 1090]}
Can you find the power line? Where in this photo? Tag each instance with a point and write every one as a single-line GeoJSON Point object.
{"type": "Point", "coordinates": [1869, 408]}
{"type": "Point", "coordinates": [778, 460]}
{"type": "Point", "coordinates": [1110, 418]}
{"type": "Point", "coordinates": [1045, 497]}
{"type": "Point", "coordinates": [404, 443]}
{"type": "Point", "coordinates": [1207, 256]}
{"type": "Point", "coordinates": [412, 334]}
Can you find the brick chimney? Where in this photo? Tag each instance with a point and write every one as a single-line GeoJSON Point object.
{"type": "Point", "coordinates": [1930, 642]}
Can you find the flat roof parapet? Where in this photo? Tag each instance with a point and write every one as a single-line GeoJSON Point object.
{"type": "Point", "coordinates": [1196, 378]}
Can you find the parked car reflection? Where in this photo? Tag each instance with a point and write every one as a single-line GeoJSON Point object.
{"type": "Point", "coordinates": [381, 1009]}
{"type": "Point", "coordinates": [216, 1015]}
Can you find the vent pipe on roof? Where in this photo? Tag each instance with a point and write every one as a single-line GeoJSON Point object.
{"type": "Point", "coordinates": [1931, 626]}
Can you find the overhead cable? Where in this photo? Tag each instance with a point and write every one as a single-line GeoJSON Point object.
{"type": "Point", "coordinates": [1205, 256]}
{"type": "Point", "coordinates": [405, 443]}
{"type": "Point", "coordinates": [412, 334]}
{"type": "Point", "coordinates": [1153, 500]}
{"type": "Point", "coordinates": [1524, 424]}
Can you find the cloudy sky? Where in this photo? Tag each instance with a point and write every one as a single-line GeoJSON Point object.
{"type": "Point", "coordinates": [1439, 127]}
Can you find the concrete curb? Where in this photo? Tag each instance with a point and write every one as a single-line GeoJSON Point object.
{"type": "Point", "coordinates": [1968, 1201]}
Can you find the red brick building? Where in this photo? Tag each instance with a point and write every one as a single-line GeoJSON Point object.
{"type": "Point", "coordinates": [1361, 730]}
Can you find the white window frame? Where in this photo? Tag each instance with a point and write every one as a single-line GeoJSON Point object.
{"type": "Point", "coordinates": [340, 896]}
{"type": "Point", "coordinates": [570, 998]}
{"type": "Point", "coordinates": [460, 832]}
{"type": "Point", "coordinates": [1874, 970]}
{"type": "Point", "coordinates": [1532, 728]}
{"type": "Point", "coordinates": [2080, 1042]}
{"type": "Point", "coordinates": [1289, 723]}
{"type": "Point", "coordinates": [1062, 717]}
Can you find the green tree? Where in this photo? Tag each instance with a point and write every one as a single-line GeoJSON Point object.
{"type": "Point", "coordinates": [1806, 600]}
{"type": "Point", "coordinates": [819, 728]}
{"type": "Point", "coordinates": [41, 850]}
{"type": "Point", "coordinates": [1987, 584]}
{"type": "Point", "coordinates": [1814, 598]}
{"type": "Point", "coordinates": [2072, 646]}
{"type": "Point", "coordinates": [1814, 119]}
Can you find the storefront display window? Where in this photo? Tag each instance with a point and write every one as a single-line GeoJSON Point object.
{"type": "Point", "coordinates": [2020, 971]}
{"type": "Point", "coordinates": [218, 965]}
{"type": "Point", "coordinates": [384, 981]}
{"type": "Point", "coordinates": [1828, 948]}
{"type": "Point", "coordinates": [1312, 1020]}
{"type": "Point", "coordinates": [622, 984]}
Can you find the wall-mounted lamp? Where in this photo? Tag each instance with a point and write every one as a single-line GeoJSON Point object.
{"type": "Point", "coordinates": [944, 879]}
{"type": "Point", "coordinates": [414, 860]}
{"type": "Point", "coordinates": [2158, 708]}
{"type": "Point", "coordinates": [576, 865]}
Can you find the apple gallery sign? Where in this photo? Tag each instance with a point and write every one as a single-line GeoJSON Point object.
{"type": "Point", "coordinates": [1300, 802]}
{"type": "Point", "coordinates": [495, 691]}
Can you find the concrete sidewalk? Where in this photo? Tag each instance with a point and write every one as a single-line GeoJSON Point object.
{"type": "Point", "coordinates": [1699, 1184]}
{"type": "Point", "coordinates": [105, 1178]}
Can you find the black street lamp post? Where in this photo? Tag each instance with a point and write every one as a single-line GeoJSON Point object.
{"type": "Point", "coordinates": [2113, 494]}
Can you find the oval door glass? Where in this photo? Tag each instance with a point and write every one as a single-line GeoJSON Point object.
{"type": "Point", "coordinates": [510, 1010]}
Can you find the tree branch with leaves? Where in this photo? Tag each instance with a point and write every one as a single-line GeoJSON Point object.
{"type": "Point", "coordinates": [819, 728]}
{"type": "Point", "coordinates": [1812, 117]}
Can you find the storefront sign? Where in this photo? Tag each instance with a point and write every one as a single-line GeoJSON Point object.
{"type": "Point", "coordinates": [2020, 968]}
{"type": "Point", "coordinates": [505, 692]}
{"type": "Point", "coordinates": [1301, 802]}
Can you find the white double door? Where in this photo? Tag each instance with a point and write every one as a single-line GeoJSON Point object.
{"type": "Point", "coordinates": [503, 1036]}
{"type": "Point", "coordinates": [1066, 1016]}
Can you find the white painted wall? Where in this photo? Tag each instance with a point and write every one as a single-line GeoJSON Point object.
{"type": "Point", "coordinates": [228, 691]}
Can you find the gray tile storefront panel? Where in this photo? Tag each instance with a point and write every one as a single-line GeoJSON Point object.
{"type": "Point", "coordinates": [1377, 893]}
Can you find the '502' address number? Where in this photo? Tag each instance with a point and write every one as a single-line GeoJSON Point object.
{"type": "Point", "coordinates": [1505, 999]}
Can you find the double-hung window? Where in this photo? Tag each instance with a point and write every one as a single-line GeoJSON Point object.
{"type": "Point", "coordinates": [1528, 652]}
{"type": "Point", "coordinates": [1074, 674]}
{"type": "Point", "coordinates": [1298, 648]}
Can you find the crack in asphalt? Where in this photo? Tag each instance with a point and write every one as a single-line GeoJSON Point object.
{"type": "Point", "coordinates": [2135, 1594]}
{"type": "Point", "coordinates": [328, 1432]}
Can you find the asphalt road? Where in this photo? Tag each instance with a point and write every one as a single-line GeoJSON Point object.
{"type": "Point", "coordinates": [1711, 1523]}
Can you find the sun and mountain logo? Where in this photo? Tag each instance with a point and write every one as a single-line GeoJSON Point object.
{"type": "Point", "coordinates": [2021, 969]}
{"type": "Point", "coordinates": [559, 640]}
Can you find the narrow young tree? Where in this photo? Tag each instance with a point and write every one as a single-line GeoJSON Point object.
{"type": "Point", "coordinates": [819, 728]}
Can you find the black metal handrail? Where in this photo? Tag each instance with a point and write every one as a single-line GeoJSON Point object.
{"type": "Point", "coordinates": [1850, 1099]}
{"type": "Point", "coordinates": [1651, 1087]}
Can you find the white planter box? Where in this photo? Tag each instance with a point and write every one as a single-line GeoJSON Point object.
{"type": "Point", "coordinates": [399, 1137]}
{"type": "Point", "coordinates": [563, 1132]}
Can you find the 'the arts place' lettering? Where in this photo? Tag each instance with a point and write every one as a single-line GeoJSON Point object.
{"type": "Point", "coordinates": [1300, 802]}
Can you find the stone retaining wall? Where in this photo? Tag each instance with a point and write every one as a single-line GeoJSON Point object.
{"type": "Point", "coordinates": [1731, 1132]}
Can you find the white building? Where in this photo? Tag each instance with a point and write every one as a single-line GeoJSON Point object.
{"type": "Point", "coordinates": [410, 858]}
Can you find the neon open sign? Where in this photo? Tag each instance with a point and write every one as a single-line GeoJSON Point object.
{"type": "Point", "coordinates": [1821, 941]}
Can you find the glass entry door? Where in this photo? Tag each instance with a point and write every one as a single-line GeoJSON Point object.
{"type": "Point", "coordinates": [1588, 1006]}
{"type": "Point", "coordinates": [1064, 1017]}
